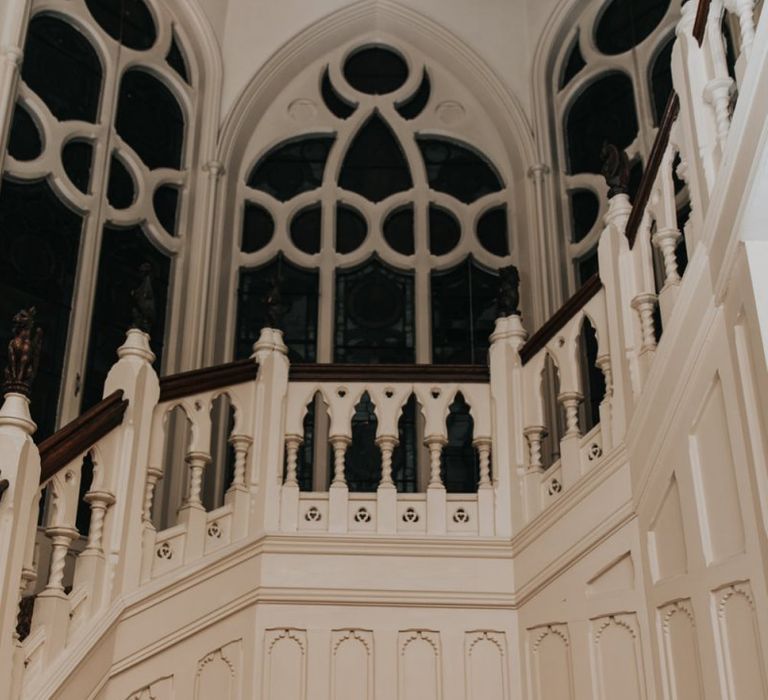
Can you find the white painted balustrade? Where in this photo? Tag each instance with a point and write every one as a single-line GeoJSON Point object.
{"type": "Point", "coordinates": [530, 431]}
{"type": "Point", "coordinates": [434, 512]}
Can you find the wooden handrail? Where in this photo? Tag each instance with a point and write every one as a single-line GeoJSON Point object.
{"type": "Point", "coordinates": [334, 372]}
{"type": "Point", "coordinates": [671, 110]}
{"type": "Point", "coordinates": [558, 320]}
{"type": "Point", "coordinates": [178, 386]}
{"type": "Point", "coordinates": [700, 22]}
{"type": "Point", "coordinates": [652, 170]}
{"type": "Point", "coordinates": [81, 434]}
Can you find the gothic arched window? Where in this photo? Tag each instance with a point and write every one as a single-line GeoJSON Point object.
{"type": "Point", "coordinates": [609, 82]}
{"type": "Point", "coordinates": [377, 182]}
{"type": "Point", "coordinates": [96, 163]}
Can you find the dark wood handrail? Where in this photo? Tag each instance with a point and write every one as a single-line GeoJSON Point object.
{"type": "Point", "coordinates": [671, 110]}
{"type": "Point", "coordinates": [700, 23]}
{"type": "Point", "coordinates": [389, 373]}
{"type": "Point", "coordinates": [81, 434]}
{"type": "Point", "coordinates": [178, 386]}
{"type": "Point", "coordinates": [557, 321]}
{"type": "Point", "coordinates": [652, 169]}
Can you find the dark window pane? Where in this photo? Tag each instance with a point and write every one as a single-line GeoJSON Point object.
{"type": "Point", "coordinates": [635, 176]}
{"type": "Point", "coordinates": [625, 23]}
{"type": "Point", "coordinates": [730, 50]}
{"type": "Point", "coordinates": [83, 516]}
{"type": "Point", "coordinates": [681, 251]}
{"type": "Point", "coordinates": [444, 231]}
{"type": "Point", "coordinates": [492, 231]}
{"type": "Point", "coordinates": [305, 229]}
{"type": "Point", "coordinates": [573, 64]}
{"type": "Point", "coordinates": [123, 252]}
{"type": "Point", "coordinates": [456, 170]}
{"type": "Point", "coordinates": [24, 141]}
{"type": "Point", "coordinates": [374, 315]}
{"type": "Point", "coordinates": [292, 168]}
{"type": "Point", "coordinates": [121, 190]}
{"type": "Point", "coordinates": [587, 266]}
{"type": "Point", "coordinates": [661, 79]}
{"type": "Point", "coordinates": [375, 166]}
{"type": "Point", "coordinates": [39, 245]}
{"type": "Point", "coordinates": [258, 228]}
{"type": "Point", "coordinates": [585, 207]}
{"type": "Point", "coordinates": [595, 379]}
{"type": "Point", "coordinates": [398, 230]}
{"type": "Point", "coordinates": [375, 70]}
{"type": "Point", "coordinates": [127, 21]}
{"type": "Point", "coordinates": [62, 68]}
{"type": "Point", "coordinates": [166, 202]}
{"type": "Point", "coordinates": [305, 457]}
{"type": "Point", "coordinates": [604, 111]}
{"type": "Point", "coordinates": [351, 229]}
{"type": "Point", "coordinates": [404, 459]}
{"type": "Point", "coordinates": [299, 293]}
{"type": "Point", "coordinates": [463, 313]}
{"type": "Point", "coordinates": [362, 460]}
{"type": "Point", "coordinates": [176, 60]}
{"type": "Point", "coordinates": [338, 106]}
{"type": "Point", "coordinates": [77, 159]}
{"type": "Point", "coordinates": [150, 120]}
{"type": "Point", "coordinates": [459, 466]}
{"type": "Point", "coordinates": [414, 105]}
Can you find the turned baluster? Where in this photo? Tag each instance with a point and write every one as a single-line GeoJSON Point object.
{"type": "Point", "coordinates": [387, 444]}
{"type": "Point", "coordinates": [241, 445]}
{"type": "Point", "coordinates": [483, 446]}
{"type": "Point", "coordinates": [292, 444]}
{"type": "Point", "coordinates": [535, 434]}
{"type": "Point", "coordinates": [197, 462]}
{"type": "Point", "coordinates": [570, 401]}
{"type": "Point", "coordinates": [645, 305]}
{"type": "Point", "coordinates": [99, 502]}
{"type": "Point", "coordinates": [153, 476]}
{"type": "Point", "coordinates": [339, 444]}
{"type": "Point", "coordinates": [435, 444]}
{"type": "Point", "coordinates": [744, 10]}
{"type": "Point", "coordinates": [666, 241]}
{"type": "Point", "coordinates": [60, 537]}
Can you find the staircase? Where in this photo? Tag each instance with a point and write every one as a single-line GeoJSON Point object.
{"type": "Point", "coordinates": [621, 559]}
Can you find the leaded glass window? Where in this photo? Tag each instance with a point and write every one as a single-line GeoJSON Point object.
{"type": "Point", "coordinates": [93, 185]}
{"type": "Point", "coordinates": [609, 82]}
{"type": "Point", "coordinates": [365, 185]}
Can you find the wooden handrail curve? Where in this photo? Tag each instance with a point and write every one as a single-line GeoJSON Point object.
{"type": "Point", "coordinates": [652, 170]}
{"type": "Point", "coordinates": [334, 372]}
{"type": "Point", "coordinates": [81, 434]}
{"type": "Point", "coordinates": [558, 320]}
{"type": "Point", "coordinates": [196, 381]}
{"type": "Point", "coordinates": [671, 110]}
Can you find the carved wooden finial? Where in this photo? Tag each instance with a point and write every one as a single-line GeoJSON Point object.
{"type": "Point", "coordinates": [615, 169]}
{"type": "Point", "coordinates": [23, 353]}
{"type": "Point", "coordinates": [508, 296]}
{"type": "Point", "coordinates": [143, 301]}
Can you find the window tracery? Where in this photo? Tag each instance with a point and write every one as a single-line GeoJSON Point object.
{"type": "Point", "coordinates": [610, 81]}
{"type": "Point", "coordinates": [370, 181]}
{"type": "Point", "coordinates": [99, 143]}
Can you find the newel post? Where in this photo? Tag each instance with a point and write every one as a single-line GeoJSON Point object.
{"type": "Point", "coordinates": [506, 376]}
{"type": "Point", "coordinates": [267, 456]}
{"type": "Point", "coordinates": [613, 251]}
{"type": "Point", "coordinates": [134, 375]}
{"type": "Point", "coordinates": [20, 479]}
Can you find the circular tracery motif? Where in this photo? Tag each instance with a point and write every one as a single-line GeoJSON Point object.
{"type": "Point", "coordinates": [376, 176]}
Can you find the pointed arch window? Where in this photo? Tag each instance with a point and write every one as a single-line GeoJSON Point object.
{"type": "Point", "coordinates": [111, 198]}
{"type": "Point", "coordinates": [374, 194]}
{"type": "Point", "coordinates": [609, 81]}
